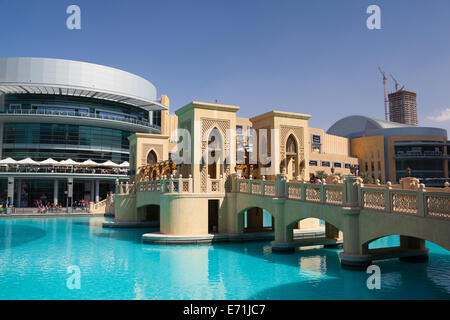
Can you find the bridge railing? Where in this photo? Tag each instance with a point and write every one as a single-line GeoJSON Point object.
{"type": "Point", "coordinates": [104, 206]}
{"type": "Point", "coordinates": [125, 188]}
{"type": "Point", "coordinates": [417, 200]}
{"type": "Point", "coordinates": [167, 185]}
{"type": "Point", "coordinates": [257, 187]}
{"type": "Point", "coordinates": [301, 191]}
{"type": "Point", "coordinates": [320, 193]}
{"type": "Point", "coordinates": [422, 202]}
{"type": "Point", "coordinates": [215, 185]}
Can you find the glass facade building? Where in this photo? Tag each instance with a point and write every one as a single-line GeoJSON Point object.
{"type": "Point", "coordinates": [395, 150]}
{"type": "Point", "coordinates": [61, 109]}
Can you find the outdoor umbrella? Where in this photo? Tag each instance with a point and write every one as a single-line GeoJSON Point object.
{"type": "Point", "coordinates": [50, 162]}
{"type": "Point", "coordinates": [69, 162]}
{"type": "Point", "coordinates": [89, 163]}
{"type": "Point", "coordinates": [124, 164]}
{"type": "Point", "coordinates": [28, 161]}
{"type": "Point", "coordinates": [8, 161]}
{"type": "Point", "coordinates": [110, 164]}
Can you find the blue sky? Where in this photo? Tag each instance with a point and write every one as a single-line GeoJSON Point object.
{"type": "Point", "coordinates": [315, 57]}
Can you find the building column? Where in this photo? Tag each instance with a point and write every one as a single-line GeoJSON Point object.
{"type": "Point", "coordinates": [10, 190]}
{"type": "Point", "coordinates": [19, 192]}
{"type": "Point", "coordinates": [92, 190]}
{"type": "Point", "coordinates": [69, 194]}
{"type": "Point", "coordinates": [97, 190]}
{"type": "Point", "coordinates": [1, 138]}
{"type": "Point", "coordinates": [55, 192]}
{"type": "Point", "coordinates": [445, 162]}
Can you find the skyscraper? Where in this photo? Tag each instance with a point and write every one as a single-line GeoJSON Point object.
{"type": "Point", "coordinates": [403, 107]}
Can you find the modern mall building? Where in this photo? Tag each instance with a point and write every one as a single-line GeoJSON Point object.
{"type": "Point", "coordinates": [387, 149]}
{"type": "Point", "coordinates": [61, 109]}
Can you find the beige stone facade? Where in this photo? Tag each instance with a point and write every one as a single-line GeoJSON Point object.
{"type": "Point", "coordinates": [216, 136]}
{"type": "Point", "coordinates": [208, 192]}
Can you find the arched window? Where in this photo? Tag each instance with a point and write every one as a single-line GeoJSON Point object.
{"type": "Point", "coordinates": [291, 145]}
{"type": "Point", "coordinates": [151, 157]}
{"type": "Point", "coordinates": [214, 142]}
{"type": "Point", "coordinates": [214, 139]}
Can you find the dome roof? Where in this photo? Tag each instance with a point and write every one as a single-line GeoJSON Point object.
{"type": "Point", "coordinates": [362, 126]}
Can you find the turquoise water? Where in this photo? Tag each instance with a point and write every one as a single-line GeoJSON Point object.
{"type": "Point", "coordinates": [114, 264]}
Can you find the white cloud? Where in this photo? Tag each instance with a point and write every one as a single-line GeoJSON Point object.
{"type": "Point", "coordinates": [444, 116]}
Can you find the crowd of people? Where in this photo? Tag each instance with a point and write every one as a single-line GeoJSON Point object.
{"type": "Point", "coordinates": [48, 206]}
{"type": "Point", "coordinates": [314, 179]}
{"type": "Point", "coordinates": [44, 206]}
{"type": "Point", "coordinates": [3, 205]}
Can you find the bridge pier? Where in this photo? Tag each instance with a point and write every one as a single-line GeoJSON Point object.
{"type": "Point", "coordinates": [354, 256]}
{"type": "Point", "coordinates": [331, 232]}
{"type": "Point", "coordinates": [283, 234]}
{"type": "Point", "coordinates": [410, 244]}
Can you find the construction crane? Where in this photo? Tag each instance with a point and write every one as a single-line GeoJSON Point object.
{"type": "Point", "coordinates": [396, 83]}
{"type": "Point", "coordinates": [386, 114]}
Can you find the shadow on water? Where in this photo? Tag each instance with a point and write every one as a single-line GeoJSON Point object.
{"type": "Point", "coordinates": [124, 234]}
{"type": "Point", "coordinates": [396, 284]}
{"type": "Point", "coordinates": [325, 274]}
{"type": "Point", "coordinates": [16, 235]}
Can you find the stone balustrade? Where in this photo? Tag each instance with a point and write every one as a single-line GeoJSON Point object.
{"type": "Point", "coordinates": [257, 187]}
{"type": "Point", "coordinates": [104, 206]}
{"type": "Point", "coordinates": [215, 185]}
{"type": "Point", "coordinates": [417, 200]}
{"type": "Point", "coordinates": [414, 200]}
{"type": "Point", "coordinates": [167, 185]}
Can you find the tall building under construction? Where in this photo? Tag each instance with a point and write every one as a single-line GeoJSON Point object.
{"type": "Point", "coordinates": [403, 107]}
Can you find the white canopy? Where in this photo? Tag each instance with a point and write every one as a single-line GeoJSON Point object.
{"type": "Point", "coordinates": [8, 161]}
{"type": "Point", "coordinates": [50, 162]}
{"type": "Point", "coordinates": [124, 164]}
{"type": "Point", "coordinates": [110, 164]}
{"type": "Point", "coordinates": [89, 163]}
{"type": "Point", "coordinates": [28, 161]}
{"type": "Point", "coordinates": [69, 162]}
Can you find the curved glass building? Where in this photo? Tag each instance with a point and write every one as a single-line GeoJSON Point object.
{"type": "Point", "coordinates": [60, 109]}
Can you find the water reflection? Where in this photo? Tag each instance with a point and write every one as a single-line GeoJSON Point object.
{"type": "Point", "coordinates": [115, 264]}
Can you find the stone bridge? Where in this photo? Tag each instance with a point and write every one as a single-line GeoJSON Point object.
{"type": "Point", "coordinates": [363, 213]}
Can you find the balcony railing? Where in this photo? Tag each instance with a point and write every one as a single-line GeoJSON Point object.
{"type": "Point", "coordinates": [420, 154]}
{"type": "Point", "coordinates": [81, 115]}
{"type": "Point", "coordinates": [65, 170]}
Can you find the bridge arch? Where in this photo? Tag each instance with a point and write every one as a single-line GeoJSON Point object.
{"type": "Point", "coordinates": [331, 231]}
{"type": "Point", "coordinates": [150, 213]}
{"type": "Point", "coordinates": [255, 220]}
{"type": "Point", "coordinates": [366, 240]}
{"type": "Point", "coordinates": [296, 211]}
{"type": "Point", "coordinates": [246, 201]}
{"type": "Point", "coordinates": [144, 199]}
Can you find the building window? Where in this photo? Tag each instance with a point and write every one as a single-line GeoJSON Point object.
{"type": "Point", "coordinates": [347, 165]}
{"type": "Point", "coordinates": [313, 163]}
{"type": "Point", "coordinates": [316, 139]}
{"type": "Point", "coordinates": [337, 165]}
{"type": "Point", "coordinates": [291, 145]}
{"type": "Point", "coordinates": [239, 130]}
{"type": "Point", "coordinates": [151, 157]}
{"type": "Point", "coordinates": [326, 164]}
{"type": "Point", "coordinates": [316, 144]}
{"type": "Point", "coordinates": [156, 117]}
{"type": "Point", "coordinates": [15, 106]}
